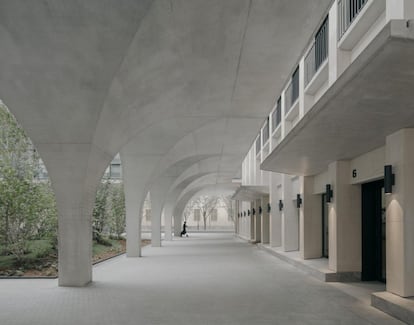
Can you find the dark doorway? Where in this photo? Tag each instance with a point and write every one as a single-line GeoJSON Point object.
{"type": "Point", "coordinates": [373, 232]}
{"type": "Point", "coordinates": [325, 227]}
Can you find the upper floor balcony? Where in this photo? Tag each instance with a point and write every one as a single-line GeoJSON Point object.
{"type": "Point", "coordinates": [337, 102]}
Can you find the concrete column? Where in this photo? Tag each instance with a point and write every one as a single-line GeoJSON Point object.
{"type": "Point", "coordinates": [133, 207]}
{"type": "Point", "coordinates": [75, 171]}
{"type": "Point", "coordinates": [159, 191]}
{"type": "Point", "coordinates": [136, 173]}
{"type": "Point", "coordinates": [156, 209]}
{"type": "Point", "coordinates": [177, 224]}
{"type": "Point", "coordinates": [400, 214]}
{"type": "Point", "coordinates": [310, 221]}
{"type": "Point", "coordinates": [275, 214]}
{"type": "Point", "coordinates": [257, 221]}
{"type": "Point", "coordinates": [75, 247]}
{"type": "Point", "coordinates": [290, 217]}
{"type": "Point", "coordinates": [236, 216]}
{"type": "Point", "coordinates": [252, 222]}
{"type": "Point", "coordinates": [344, 220]}
{"type": "Point", "coordinates": [168, 222]}
{"type": "Point", "coordinates": [265, 220]}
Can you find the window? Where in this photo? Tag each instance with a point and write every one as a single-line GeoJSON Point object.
{"type": "Point", "coordinates": [116, 171]}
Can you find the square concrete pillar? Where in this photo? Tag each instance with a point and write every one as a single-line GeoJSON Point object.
{"type": "Point", "coordinates": [400, 214]}
{"type": "Point", "coordinates": [167, 223]}
{"type": "Point", "coordinates": [75, 248]}
{"type": "Point", "coordinates": [265, 220]}
{"type": "Point", "coordinates": [345, 251]}
{"type": "Point", "coordinates": [290, 217]}
{"type": "Point", "coordinates": [252, 223]}
{"type": "Point", "coordinates": [275, 214]}
{"type": "Point", "coordinates": [257, 221]}
{"type": "Point", "coordinates": [177, 225]}
{"type": "Point", "coordinates": [310, 221]}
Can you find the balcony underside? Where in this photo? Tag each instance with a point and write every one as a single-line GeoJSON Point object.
{"type": "Point", "coordinates": [373, 98]}
{"type": "Point", "coordinates": [250, 193]}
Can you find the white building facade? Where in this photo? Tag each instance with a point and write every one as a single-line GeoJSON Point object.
{"type": "Point", "coordinates": [335, 157]}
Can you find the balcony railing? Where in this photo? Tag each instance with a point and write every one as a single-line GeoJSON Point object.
{"type": "Point", "coordinates": [348, 10]}
{"type": "Point", "coordinates": [277, 115]}
{"type": "Point", "coordinates": [258, 144]}
{"type": "Point", "coordinates": [318, 52]}
{"type": "Point", "coordinates": [266, 131]}
{"type": "Point", "coordinates": [292, 92]}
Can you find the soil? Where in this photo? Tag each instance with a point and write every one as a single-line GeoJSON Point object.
{"type": "Point", "coordinates": [49, 266]}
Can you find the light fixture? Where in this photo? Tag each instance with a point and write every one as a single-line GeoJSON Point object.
{"type": "Point", "coordinates": [248, 212]}
{"type": "Point", "coordinates": [298, 201]}
{"type": "Point", "coordinates": [254, 211]}
{"type": "Point", "coordinates": [329, 193]}
{"type": "Point", "coordinates": [268, 208]}
{"type": "Point", "coordinates": [260, 210]}
{"type": "Point", "coordinates": [280, 205]}
{"type": "Point", "coordinates": [389, 179]}
{"type": "Point", "coordinates": [244, 213]}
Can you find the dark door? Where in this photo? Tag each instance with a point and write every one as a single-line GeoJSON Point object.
{"type": "Point", "coordinates": [373, 231]}
{"type": "Point", "coordinates": [325, 227]}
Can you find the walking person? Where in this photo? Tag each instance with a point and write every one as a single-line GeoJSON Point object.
{"type": "Point", "coordinates": [184, 232]}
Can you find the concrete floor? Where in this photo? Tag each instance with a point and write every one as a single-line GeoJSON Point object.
{"type": "Point", "coordinates": [203, 279]}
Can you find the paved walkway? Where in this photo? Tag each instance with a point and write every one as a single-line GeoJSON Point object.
{"type": "Point", "coordinates": [203, 279]}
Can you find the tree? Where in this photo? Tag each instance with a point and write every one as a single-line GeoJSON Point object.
{"type": "Point", "coordinates": [206, 204]}
{"type": "Point", "coordinates": [101, 210]}
{"type": "Point", "coordinates": [27, 207]}
{"type": "Point", "coordinates": [188, 210]}
{"type": "Point", "coordinates": [117, 224]}
{"type": "Point", "coordinates": [227, 201]}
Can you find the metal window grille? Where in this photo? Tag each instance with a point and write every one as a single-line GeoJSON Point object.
{"type": "Point", "coordinates": [292, 92]}
{"type": "Point", "coordinates": [277, 115]}
{"type": "Point", "coordinates": [318, 52]}
{"type": "Point", "coordinates": [266, 131]}
{"type": "Point", "coordinates": [348, 10]}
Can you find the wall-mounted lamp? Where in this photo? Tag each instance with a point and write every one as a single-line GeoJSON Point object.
{"type": "Point", "coordinates": [298, 201]}
{"type": "Point", "coordinates": [260, 210]}
{"type": "Point", "coordinates": [280, 205]}
{"type": "Point", "coordinates": [329, 193]}
{"type": "Point", "coordinates": [244, 213]}
{"type": "Point", "coordinates": [269, 208]}
{"type": "Point", "coordinates": [248, 212]}
{"type": "Point", "coordinates": [389, 179]}
{"type": "Point", "coordinates": [254, 211]}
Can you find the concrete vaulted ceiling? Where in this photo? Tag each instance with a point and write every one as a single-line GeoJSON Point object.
{"type": "Point", "coordinates": [86, 78]}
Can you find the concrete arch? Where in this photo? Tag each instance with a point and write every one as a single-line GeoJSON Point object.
{"type": "Point", "coordinates": [83, 78]}
{"type": "Point", "coordinates": [205, 188]}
